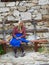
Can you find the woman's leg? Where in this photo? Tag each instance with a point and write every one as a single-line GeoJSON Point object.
{"type": "Point", "coordinates": [22, 49]}
{"type": "Point", "coordinates": [15, 51]}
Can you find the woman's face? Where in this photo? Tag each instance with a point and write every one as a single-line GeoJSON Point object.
{"type": "Point", "coordinates": [21, 24]}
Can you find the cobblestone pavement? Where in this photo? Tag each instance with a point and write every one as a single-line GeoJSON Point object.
{"type": "Point", "coordinates": [31, 58]}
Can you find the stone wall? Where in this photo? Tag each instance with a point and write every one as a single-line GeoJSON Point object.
{"type": "Point", "coordinates": [26, 10]}
{"type": "Point", "coordinates": [35, 9]}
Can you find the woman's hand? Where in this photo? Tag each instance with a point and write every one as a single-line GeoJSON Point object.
{"type": "Point", "coordinates": [18, 37]}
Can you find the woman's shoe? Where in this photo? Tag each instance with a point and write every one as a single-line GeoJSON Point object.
{"type": "Point", "coordinates": [16, 56]}
{"type": "Point", "coordinates": [23, 54]}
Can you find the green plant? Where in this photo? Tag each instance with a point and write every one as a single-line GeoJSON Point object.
{"type": "Point", "coordinates": [1, 50]}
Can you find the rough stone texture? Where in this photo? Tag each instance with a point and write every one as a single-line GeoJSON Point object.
{"type": "Point", "coordinates": [44, 11]}
{"type": "Point", "coordinates": [26, 16]}
{"type": "Point", "coordinates": [2, 4]}
{"type": "Point", "coordinates": [12, 18]}
{"type": "Point", "coordinates": [35, 1]}
{"type": "Point", "coordinates": [45, 6]}
{"type": "Point", "coordinates": [1, 17]}
{"type": "Point", "coordinates": [38, 16]}
{"type": "Point", "coordinates": [4, 9]}
{"type": "Point", "coordinates": [34, 7]}
{"type": "Point", "coordinates": [30, 4]}
{"type": "Point", "coordinates": [4, 14]}
{"type": "Point", "coordinates": [45, 16]}
{"type": "Point", "coordinates": [8, 64]}
{"type": "Point", "coordinates": [16, 13]}
{"type": "Point", "coordinates": [43, 2]}
{"type": "Point", "coordinates": [31, 58]}
{"type": "Point", "coordinates": [17, 2]}
{"type": "Point", "coordinates": [22, 8]}
{"type": "Point", "coordinates": [10, 4]}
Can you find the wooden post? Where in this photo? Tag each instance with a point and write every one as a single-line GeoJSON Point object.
{"type": "Point", "coordinates": [36, 46]}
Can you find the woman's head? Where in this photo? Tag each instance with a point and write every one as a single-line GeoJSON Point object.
{"type": "Point", "coordinates": [20, 23]}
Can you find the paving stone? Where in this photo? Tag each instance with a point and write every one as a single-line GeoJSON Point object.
{"type": "Point", "coordinates": [31, 58]}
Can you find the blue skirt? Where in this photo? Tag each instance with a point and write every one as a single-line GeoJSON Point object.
{"type": "Point", "coordinates": [16, 42]}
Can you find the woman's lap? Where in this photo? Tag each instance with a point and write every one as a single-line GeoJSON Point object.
{"type": "Point", "coordinates": [17, 42]}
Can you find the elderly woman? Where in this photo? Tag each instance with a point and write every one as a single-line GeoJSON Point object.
{"type": "Point", "coordinates": [19, 34]}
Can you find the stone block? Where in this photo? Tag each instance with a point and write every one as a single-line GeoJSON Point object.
{"type": "Point", "coordinates": [43, 2]}
{"type": "Point", "coordinates": [33, 16]}
{"type": "Point", "coordinates": [31, 10]}
{"type": "Point", "coordinates": [13, 8]}
{"type": "Point", "coordinates": [1, 36]}
{"type": "Point", "coordinates": [48, 1]}
{"type": "Point", "coordinates": [5, 9]}
{"type": "Point", "coordinates": [37, 7]}
{"type": "Point", "coordinates": [45, 16]}
{"type": "Point", "coordinates": [22, 3]}
{"type": "Point", "coordinates": [12, 18]}
{"type": "Point", "coordinates": [16, 13]}
{"type": "Point", "coordinates": [17, 2]}
{"type": "Point", "coordinates": [10, 4]}
{"type": "Point", "coordinates": [2, 4]}
{"type": "Point", "coordinates": [35, 12]}
{"type": "Point", "coordinates": [25, 16]}
{"type": "Point", "coordinates": [1, 17]}
{"type": "Point", "coordinates": [38, 16]}
{"type": "Point", "coordinates": [8, 64]}
{"type": "Point", "coordinates": [35, 1]}
{"type": "Point", "coordinates": [22, 8]}
{"type": "Point", "coordinates": [30, 4]}
{"type": "Point", "coordinates": [45, 6]}
{"type": "Point", "coordinates": [44, 11]}
{"type": "Point", "coordinates": [4, 14]}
